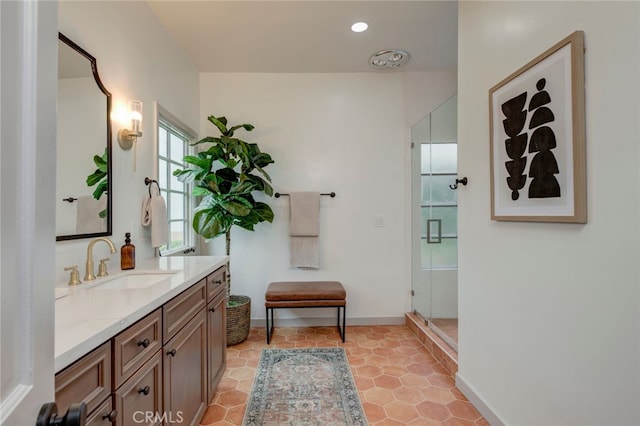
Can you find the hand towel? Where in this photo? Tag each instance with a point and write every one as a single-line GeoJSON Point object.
{"type": "Point", "coordinates": [304, 229]}
{"type": "Point", "coordinates": [154, 214]}
{"type": "Point", "coordinates": [88, 220]}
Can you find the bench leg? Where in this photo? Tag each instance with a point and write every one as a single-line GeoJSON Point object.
{"type": "Point", "coordinates": [343, 330]}
{"type": "Point", "coordinates": [269, 325]}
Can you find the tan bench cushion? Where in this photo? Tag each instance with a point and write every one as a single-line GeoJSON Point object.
{"type": "Point", "coordinates": [308, 291]}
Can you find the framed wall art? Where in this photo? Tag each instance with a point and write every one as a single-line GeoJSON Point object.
{"type": "Point", "coordinates": [537, 138]}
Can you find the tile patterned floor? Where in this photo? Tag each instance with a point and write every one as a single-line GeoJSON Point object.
{"type": "Point", "coordinates": [398, 381]}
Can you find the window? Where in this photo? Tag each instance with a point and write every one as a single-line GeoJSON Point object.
{"type": "Point", "coordinates": [173, 144]}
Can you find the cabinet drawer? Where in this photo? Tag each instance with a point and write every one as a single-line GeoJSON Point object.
{"type": "Point", "coordinates": [134, 346]}
{"type": "Point", "coordinates": [103, 415]}
{"type": "Point", "coordinates": [179, 310]}
{"type": "Point", "coordinates": [87, 380]}
{"type": "Point", "coordinates": [139, 399]}
{"type": "Point", "coordinates": [215, 282]}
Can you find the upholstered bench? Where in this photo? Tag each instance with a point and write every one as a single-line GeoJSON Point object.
{"type": "Point", "coordinates": [305, 294]}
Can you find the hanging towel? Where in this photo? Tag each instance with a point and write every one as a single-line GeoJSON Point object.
{"type": "Point", "coordinates": [88, 220]}
{"type": "Point", "coordinates": [154, 214]}
{"type": "Point", "coordinates": [304, 229]}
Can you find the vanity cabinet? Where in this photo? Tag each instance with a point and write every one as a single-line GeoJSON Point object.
{"type": "Point", "coordinates": [163, 369]}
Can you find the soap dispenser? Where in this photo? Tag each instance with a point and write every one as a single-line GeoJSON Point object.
{"type": "Point", "coordinates": [127, 253]}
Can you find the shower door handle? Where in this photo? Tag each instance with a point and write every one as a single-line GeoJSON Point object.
{"type": "Point", "coordinates": [430, 238]}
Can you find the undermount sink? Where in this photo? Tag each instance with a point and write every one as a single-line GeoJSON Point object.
{"type": "Point", "coordinates": [134, 280]}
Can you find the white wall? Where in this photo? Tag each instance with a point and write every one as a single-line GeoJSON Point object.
{"type": "Point", "coordinates": [137, 59]}
{"type": "Point", "coordinates": [326, 132]}
{"type": "Point", "coordinates": [556, 345]}
{"type": "Point", "coordinates": [345, 133]}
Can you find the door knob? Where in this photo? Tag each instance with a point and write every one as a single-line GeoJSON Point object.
{"type": "Point", "coordinates": [76, 415]}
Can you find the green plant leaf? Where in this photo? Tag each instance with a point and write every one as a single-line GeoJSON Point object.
{"type": "Point", "coordinates": [101, 162]}
{"type": "Point", "coordinates": [247, 127]}
{"type": "Point", "coordinates": [187, 175]}
{"type": "Point", "coordinates": [100, 189]}
{"type": "Point", "coordinates": [206, 223]}
{"type": "Point", "coordinates": [95, 177]}
{"type": "Point", "coordinates": [220, 123]}
{"type": "Point", "coordinates": [208, 139]}
{"type": "Point", "coordinates": [235, 207]}
{"type": "Point", "coordinates": [224, 187]}
{"type": "Point", "coordinates": [262, 159]}
{"type": "Point", "coordinates": [202, 162]}
{"type": "Point", "coordinates": [265, 174]}
{"type": "Point", "coordinates": [215, 152]}
{"type": "Point", "coordinates": [200, 191]}
{"type": "Point", "coordinates": [263, 211]}
{"type": "Point", "coordinates": [227, 174]}
{"type": "Point", "coordinates": [211, 182]}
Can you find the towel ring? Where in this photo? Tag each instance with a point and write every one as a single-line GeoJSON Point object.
{"type": "Point", "coordinates": [148, 182]}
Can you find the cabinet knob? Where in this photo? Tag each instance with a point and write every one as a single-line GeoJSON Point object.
{"type": "Point", "coordinates": [110, 416]}
{"type": "Point", "coordinates": [172, 352]}
{"type": "Point", "coordinates": [212, 309]}
{"type": "Point", "coordinates": [144, 343]}
{"type": "Point", "coordinates": [145, 390]}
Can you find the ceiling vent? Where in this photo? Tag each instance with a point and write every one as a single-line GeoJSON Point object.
{"type": "Point", "coordinates": [389, 59]}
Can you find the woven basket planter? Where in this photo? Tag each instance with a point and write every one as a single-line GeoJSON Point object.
{"type": "Point", "coordinates": [238, 319]}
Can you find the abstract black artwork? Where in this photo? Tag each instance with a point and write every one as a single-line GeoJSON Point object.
{"type": "Point", "coordinates": [537, 138]}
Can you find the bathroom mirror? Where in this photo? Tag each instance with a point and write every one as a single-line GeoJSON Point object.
{"type": "Point", "coordinates": [83, 154]}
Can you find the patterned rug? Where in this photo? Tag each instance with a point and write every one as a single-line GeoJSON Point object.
{"type": "Point", "coordinates": [312, 386]}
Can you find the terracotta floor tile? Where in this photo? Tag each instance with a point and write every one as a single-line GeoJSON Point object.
{"type": "Point", "coordinates": [378, 396]}
{"type": "Point", "coordinates": [401, 411]}
{"type": "Point", "coordinates": [464, 410]}
{"type": "Point", "coordinates": [387, 382]}
{"type": "Point", "coordinates": [399, 382]}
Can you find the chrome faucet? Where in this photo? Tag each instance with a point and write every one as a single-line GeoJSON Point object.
{"type": "Point", "coordinates": [89, 276]}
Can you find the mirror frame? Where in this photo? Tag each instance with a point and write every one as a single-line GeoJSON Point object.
{"type": "Point", "coordinates": [96, 76]}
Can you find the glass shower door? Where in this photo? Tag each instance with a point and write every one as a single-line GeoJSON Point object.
{"type": "Point", "coordinates": [435, 256]}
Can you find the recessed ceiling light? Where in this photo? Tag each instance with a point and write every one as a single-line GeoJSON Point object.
{"type": "Point", "coordinates": [359, 27]}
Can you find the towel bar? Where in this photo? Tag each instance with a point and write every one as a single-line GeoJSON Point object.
{"type": "Point", "coordinates": [330, 194]}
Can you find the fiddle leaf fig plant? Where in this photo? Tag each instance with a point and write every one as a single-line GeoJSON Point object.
{"type": "Point", "coordinates": [100, 178]}
{"type": "Point", "coordinates": [226, 175]}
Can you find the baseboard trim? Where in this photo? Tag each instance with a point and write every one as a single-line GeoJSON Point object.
{"type": "Point", "coordinates": [477, 401]}
{"type": "Point", "coordinates": [326, 322]}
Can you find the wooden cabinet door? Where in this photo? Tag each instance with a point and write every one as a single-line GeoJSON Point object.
{"type": "Point", "coordinates": [185, 371]}
{"type": "Point", "coordinates": [139, 399]}
{"type": "Point", "coordinates": [216, 342]}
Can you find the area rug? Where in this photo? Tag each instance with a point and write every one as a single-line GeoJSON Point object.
{"type": "Point", "coordinates": [312, 386]}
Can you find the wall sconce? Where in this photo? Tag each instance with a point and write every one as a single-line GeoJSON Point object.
{"type": "Point", "coordinates": [127, 137]}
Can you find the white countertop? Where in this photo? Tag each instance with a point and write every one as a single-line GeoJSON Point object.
{"type": "Point", "coordinates": [87, 316]}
